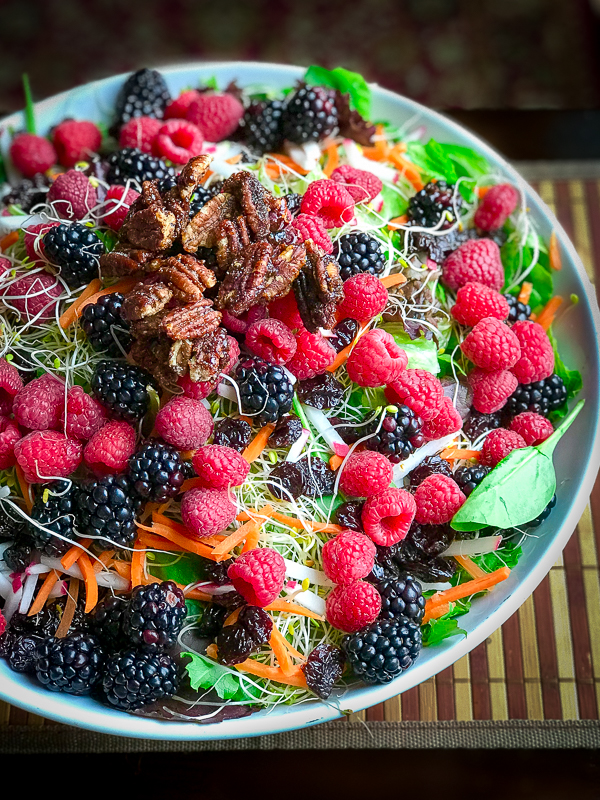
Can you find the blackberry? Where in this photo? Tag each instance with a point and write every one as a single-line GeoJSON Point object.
{"type": "Point", "coordinates": [107, 507]}
{"type": "Point", "coordinates": [345, 333]}
{"type": "Point", "coordinates": [45, 623]}
{"type": "Point", "coordinates": [216, 571]}
{"type": "Point", "coordinates": [144, 94]}
{"type": "Point", "coordinates": [476, 424]}
{"type": "Point", "coordinates": [154, 616]}
{"type": "Point", "coordinates": [535, 523]}
{"type": "Point", "coordinates": [55, 509]}
{"type": "Point", "coordinates": [433, 203]}
{"type": "Point", "coordinates": [432, 465]}
{"type": "Point", "coordinates": [234, 433]}
{"type": "Point", "coordinates": [469, 478]}
{"type": "Point", "coordinates": [28, 193]}
{"type": "Point", "coordinates": [18, 556]}
{"type": "Point", "coordinates": [235, 643]}
{"type": "Point", "coordinates": [156, 471]}
{"type": "Point", "coordinates": [518, 311]}
{"type": "Point", "coordinates": [384, 649]}
{"type": "Point", "coordinates": [200, 197]}
{"type": "Point", "coordinates": [132, 679]}
{"type": "Point", "coordinates": [324, 667]}
{"type": "Point", "coordinates": [123, 388]}
{"type": "Point", "coordinates": [10, 528]}
{"type": "Point", "coordinates": [293, 201]}
{"type": "Point", "coordinates": [264, 388]}
{"type": "Point", "coordinates": [262, 126]}
{"type": "Point", "coordinates": [71, 665]}
{"type": "Point", "coordinates": [399, 435]}
{"type": "Point", "coordinates": [74, 248]}
{"type": "Point", "coordinates": [542, 397]}
{"type": "Point", "coordinates": [358, 253]}
{"type": "Point", "coordinates": [104, 327]}
{"type": "Point", "coordinates": [131, 164]}
{"type": "Point", "coordinates": [287, 431]}
{"type": "Point", "coordinates": [401, 597]}
{"type": "Point", "coordinates": [310, 115]}
{"type": "Point", "coordinates": [106, 621]}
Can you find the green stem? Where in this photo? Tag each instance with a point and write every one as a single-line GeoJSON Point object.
{"type": "Point", "coordinates": [29, 112]}
{"type": "Point", "coordinates": [547, 447]}
{"type": "Point", "coordinates": [297, 405]}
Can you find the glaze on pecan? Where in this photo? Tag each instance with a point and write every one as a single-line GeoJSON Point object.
{"type": "Point", "coordinates": [210, 356]}
{"type": "Point", "coordinates": [184, 274]}
{"type": "Point", "coordinates": [318, 289]}
{"type": "Point", "coordinates": [124, 261]}
{"type": "Point", "coordinates": [253, 199]}
{"type": "Point", "coordinates": [191, 321]}
{"type": "Point", "coordinates": [145, 300]}
{"type": "Point", "coordinates": [203, 228]}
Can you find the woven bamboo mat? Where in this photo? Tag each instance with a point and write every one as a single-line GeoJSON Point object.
{"type": "Point", "coordinates": [543, 665]}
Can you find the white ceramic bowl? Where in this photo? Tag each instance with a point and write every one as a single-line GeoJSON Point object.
{"type": "Point", "coordinates": [577, 457]}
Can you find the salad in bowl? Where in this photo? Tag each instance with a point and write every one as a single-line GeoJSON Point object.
{"type": "Point", "coordinates": [279, 392]}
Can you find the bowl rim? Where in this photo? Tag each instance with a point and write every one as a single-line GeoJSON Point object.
{"type": "Point", "coordinates": [58, 707]}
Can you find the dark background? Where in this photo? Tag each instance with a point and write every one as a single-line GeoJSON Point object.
{"type": "Point", "coordinates": [523, 73]}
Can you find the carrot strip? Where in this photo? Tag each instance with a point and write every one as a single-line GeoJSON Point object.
{"type": "Point", "coordinates": [251, 542]}
{"type": "Point", "coordinates": [91, 584]}
{"type": "Point", "coordinates": [258, 444]}
{"type": "Point", "coordinates": [232, 618]}
{"type": "Point", "coordinates": [281, 652]}
{"type": "Point", "coordinates": [292, 608]}
{"type": "Point", "coordinates": [547, 314]}
{"type": "Point", "coordinates": [191, 483]}
{"type": "Point", "coordinates": [436, 612]}
{"type": "Point", "coordinates": [187, 543]}
{"type": "Point", "coordinates": [69, 612]}
{"type": "Point", "coordinates": [138, 560]}
{"type": "Point", "coordinates": [323, 527]}
{"type": "Point", "coordinates": [153, 542]}
{"type": "Point", "coordinates": [290, 648]}
{"type": "Point", "coordinates": [407, 168]}
{"type": "Point", "coordinates": [73, 553]}
{"type": "Point", "coordinates": [123, 568]}
{"type": "Point", "coordinates": [393, 280]}
{"type": "Point", "coordinates": [468, 588]}
{"type": "Point", "coordinates": [43, 593]}
{"type": "Point", "coordinates": [525, 293]}
{"type": "Point", "coordinates": [211, 651]}
{"type": "Point", "coordinates": [396, 221]}
{"type": "Point", "coordinates": [281, 161]}
{"type": "Point", "coordinates": [341, 358]}
{"type": "Point", "coordinates": [333, 159]}
{"type": "Point", "coordinates": [187, 455]}
{"type": "Point", "coordinates": [470, 566]}
{"type": "Point", "coordinates": [335, 462]}
{"type": "Point", "coordinates": [296, 678]}
{"type": "Point", "coordinates": [162, 520]}
{"type": "Point", "coordinates": [9, 239]}
{"type": "Point", "coordinates": [258, 516]}
{"type": "Point", "coordinates": [482, 191]}
{"type": "Point", "coordinates": [223, 550]}
{"type": "Point", "coordinates": [104, 560]}
{"type": "Point", "coordinates": [195, 594]}
{"type": "Point", "coordinates": [68, 317]}
{"type": "Point", "coordinates": [454, 453]}
{"type": "Point", "coordinates": [554, 252]}
{"type": "Point", "coordinates": [234, 159]}
{"type": "Point", "coordinates": [25, 488]}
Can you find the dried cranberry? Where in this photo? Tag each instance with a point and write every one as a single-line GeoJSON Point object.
{"type": "Point", "coordinates": [229, 600]}
{"type": "Point", "coordinates": [287, 431]}
{"type": "Point", "coordinates": [324, 666]}
{"type": "Point", "coordinates": [477, 424]}
{"type": "Point", "coordinates": [349, 515]}
{"type": "Point", "coordinates": [234, 644]}
{"type": "Point", "coordinates": [431, 465]}
{"type": "Point", "coordinates": [430, 570]}
{"type": "Point", "coordinates": [349, 432]}
{"type": "Point", "coordinates": [431, 539]}
{"type": "Point", "coordinates": [234, 433]}
{"type": "Point", "coordinates": [345, 333]}
{"type": "Point", "coordinates": [385, 566]}
{"type": "Point", "coordinates": [319, 479]}
{"type": "Point", "coordinates": [286, 480]}
{"type": "Point", "coordinates": [323, 391]}
{"type": "Point", "coordinates": [257, 622]}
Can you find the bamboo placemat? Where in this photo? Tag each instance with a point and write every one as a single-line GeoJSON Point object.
{"type": "Point", "coordinates": [534, 683]}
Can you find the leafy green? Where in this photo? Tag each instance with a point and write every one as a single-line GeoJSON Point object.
{"type": "Point", "coordinates": [185, 570]}
{"type": "Point", "coordinates": [436, 630]}
{"type": "Point", "coordinates": [421, 352]}
{"type": "Point", "coordinates": [448, 162]}
{"type": "Point", "coordinates": [467, 162]}
{"type": "Point", "coordinates": [108, 238]}
{"type": "Point", "coordinates": [207, 674]}
{"type": "Point", "coordinates": [517, 490]}
{"type": "Point", "coordinates": [571, 378]}
{"type": "Point", "coordinates": [515, 259]}
{"type": "Point", "coordinates": [508, 555]}
{"type": "Point", "coordinates": [345, 81]}
{"type": "Point", "coordinates": [394, 205]}
{"type": "Point", "coordinates": [446, 362]}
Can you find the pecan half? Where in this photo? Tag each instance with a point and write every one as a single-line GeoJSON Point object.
{"type": "Point", "coordinates": [318, 289]}
{"type": "Point", "coordinates": [145, 300]}
{"type": "Point", "coordinates": [253, 199]}
{"type": "Point", "coordinates": [149, 225]}
{"type": "Point", "coordinates": [210, 355]}
{"type": "Point", "coordinates": [152, 353]}
{"type": "Point", "coordinates": [202, 230]}
{"type": "Point", "coordinates": [124, 261]}
{"type": "Point", "coordinates": [192, 321]}
{"type": "Point", "coordinates": [232, 238]}
{"type": "Point", "coordinates": [185, 275]}
{"type": "Point", "coordinates": [179, 356]}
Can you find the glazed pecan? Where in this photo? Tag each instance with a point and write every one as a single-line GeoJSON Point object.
{"type": "Point", "coordinates": [145, 300]}
{"type": "Point", "coordinates": [210, 355]}
{"type": "Point", "coordinates": [191, 321]}
{"type": "Point", "coordinates": [150, 225]}
{"type": "Point", "coordinates": [233, 236]}
{"type": "Point", "coordinates": [318, 289]}
{"type": "Point", "coordinates": [124, 261]}
{"type": "Point", "coordinates": [202, 230]}
{"type": "Point", "coordinates": [179, 356]}
{"type": "Point", "coordinates": [152, 353]}
{"type": "Point", "coordinates": [184, 274]}
{"type": "Point", "coordinates": [253, 199]}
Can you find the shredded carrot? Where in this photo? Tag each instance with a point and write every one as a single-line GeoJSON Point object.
{"type": "Point", "coordinates": [281, 652]}
{"type": "Point", "coordinates": [533, 316]}
{"type": "Point", "coordinates": [68, 317]}
{"type": "Point", "coordinates": [73, 553]}
{"type": "Point", "coordinates": [43, 592]}
{"type": "Point", "coordinates": [25, 488]}
{"type": "Point", "coordinates": [436, 612]}
{"type": "Point", "coordinates": [211, 651]}
{"type": "Point", "coordinates": [268, 512]}
{"type": "Point", "coordinates": [547, 314]}
{"type": "Point", "coordinates": [123, 568]}
{"type": "Point", "coordinates": [258, 516]}
{"type": "Point", "coordinates": [187, 543]}
{"type": "Point", "coordinates": [292, 608]}
{"type": "Point", "coordinates": [407, 168]}
{"type": "Point", "coordinates": [234, 159]}
{"type": "Point", "coordinates": [525, 293]}
{"type": "Point", "coordinates": [232, 618]}
{"type": "Point", "coordinates": [258, 444]}
{"type": "Point", "coordinates": [282, 163]}
{"type": "Point", "coordinates": [393, 280]}
{"type": "Point", "coordinates": [74, 311]}
{"type": "Point", "coordinates": [187, 455]}
{"type": "Point", "coordinates": [157, 543]}
{"type": "Point", "coordinates": [252, 538]}
{"type": "Point", "coordinates": [333, 159]}
{"type": "Point", "coordinates": [554, 252]}
{"type": "Point", "coordinates": [195, 594]}
{"type": "Point", "coordinates": [214, 540]}
{"type": "Point", "coordinates": [482, 191]}
{"type": "Point", "coordinates": [223, 550]}
{"type": "Point", "coordinates": [138, 560]}
{"type": "Point", "coordinates": [396, 221]}
{"type": "Point", "coordinates": [380, 148]}
{"type": "Point", "coordinates": [69, 612]}
{"type": "Point", "coordinates": [468, 588]}
{"type": "Point", "coordinates": [162, 520]}
{"type": "Point", "coordinates": [290, 648]}
{"type": "Point", "coordinates": [105, 559]}
{"type": "Point", "coordinates": [91, 583]}
{"type": "Point", "coordinates": [335, 462]}
{"type": "Point", "coordinates": [9, 239]}
{"type": "Point", "coordinates": [296, 678]}
{"type": "Point", "coordinates": [341, 358]}
{"type": "Point", "coordinates": [454, 453]}
{"type": "Point", "coordinates": [470, 566]}
{"type": "Point", "coordinates": [191, 483]}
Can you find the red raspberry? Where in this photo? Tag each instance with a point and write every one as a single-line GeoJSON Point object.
{"type": "Point", "coordinates": [178, 140]}
{"type": "Point", "coordinates": [177, 109]}
{"type": "Point", "coordinates": [108, 450]}
{"type": "Point", "coordinates": [72, 195]}
{"type": "Point", "coordinates": [46, 455]}
{"type": "Point", "coordinates": [475, 302]}
{"type": "Point", "coordinates": [438, 498]}
{"type": "Point", "coordinates": [491, 390]}
{"type": "Point", "coordinates": [352, 607]}
{"type": "Point", "coordinates": [217, 115]}
{"type": "Point", "coordinates": [537, 356]}
{"type": "Point", "coordinates": [272, 340]}
{"type": "Point", "coordinates": [76, 140]}
{"type": "Point", "coordinates": [497, 205]}
{"type": "Point", "coordinates": [185, 423]}
{"type": "Point", "coordinates": [348, 557]}
{"type": "Point", "coordinates": [286, 309]}
{"type": "Point", "coordinates": [311, 227]}
{"type": "Point", "coordinates": [475, 260]}
{"type": "Point", "coordinates": [140, 132]}
{"type": "Point", "coordinates": [39, 404]}
{"type": "Point", "coordinates": [258, 575]}
{"type": "Point", "coordinates": [242, 323]}
{"type": "Point", "coordinates": [313, 355]}
{"type": "Point", "coordinates": [534, 428]}
{"type": "Point", "coordinates": [362, 185]}
{"type": "Point", "coordinates": [365, 474]}
{"type": "Point", "coordinates": [118, 201]}
{"type": "Point", "coordinates": [498, 444]}
{"type": "Point", "coordinates": [34, 297]}
{"type": "Point", "coordinates": [447, 421]}
{"type": "Point", "coordinates": [419, 390]}
{"type": "Point", "coordinates": [85, 415]}
{"type": "Point", "coordinates": [2, 624]}
{"type": "Point", "coordinates": [9, 436]}
{"type": "Point", "coordinates": [10, 385]}
{"type": "Point", "coordinates": [34, 242]}
{"type": "Point", "coordinates": [376, 359]}
{"type": "Point", "coordinates": [492, 345]}
{"type": "Point", "coordinates": [365, 297]}
{"type": "Point", "coordinates": [32, 154]}
{"type": "Point", "coordinates": [330, 201]}
{"type": "Point", "coordinates": [387, 517]}
{"type": "Point", "coordinates": [207, 511]}
{"type": "Point", "coordinates": [219, 467]}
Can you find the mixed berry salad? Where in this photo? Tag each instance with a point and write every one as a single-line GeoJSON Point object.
{"type": "Point", "coordinates": [279, 394]}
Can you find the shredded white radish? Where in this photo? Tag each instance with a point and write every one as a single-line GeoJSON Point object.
{"type": "Point", "coordinates": [28, 591]}
{"type": "Point", "coordinates": [12, 603]}
{"type": "Point", "coordinates": [5, 587]}
{"type": "Point", "coordinates": [227, 391]}
{"type": "Point", "coordinates": [302, 573]}
{"type": "Point", "coordinates": [104, 578]}
{"type": "Point", "coordinates": [311, 601]}
{"type": "Point", "coordinates": [296, 449]}
{"type": "Point", "coordinates": [306, 155]}
{"type": "Point", "coordinates": [473, 547]}
{"type": "Point", "coordinates": [4, 546]}
{"type": "Point", "coordinates": [58, 590]}
{"type": "Point", "coordinates": [212, 589]}
{"type": "Point", "coordinates": [435, 587]}
{"type": "Point", "coordinates": [358, 161]}
{"type": "Point", "coordinates": [405, 467]}
{"type": "Point", "coordinates": [324, 427]}
{"type": "Point", "coordinates": [290, 375]}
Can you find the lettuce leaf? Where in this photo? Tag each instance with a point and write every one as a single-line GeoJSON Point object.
{"type": "Point", "coordinates": [422, 352]}
{"type": "Point", "coordinates": [346, 82]}
{"type": "Point", "coordinates": [207, 674]}
{"type": "Point", "coordinates": [394, 205]}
